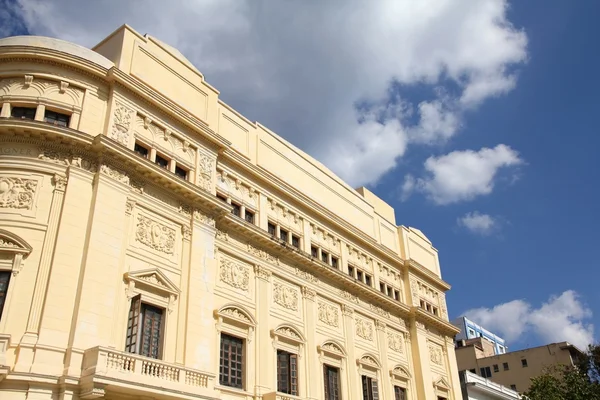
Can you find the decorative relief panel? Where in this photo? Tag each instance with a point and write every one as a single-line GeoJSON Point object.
{"type": "Point", "coordinates": [234, 274]}
{"type": "Point", "coordinates": [285, 296]}
{"type": "Point", "coordinates": [364, 328]}
{"type": "Point", "coordinates": [395, 342]}
{"type": "Point", "coordinates": [205, 172]}
{"type": "Point", "coordinates": [17, 193]}
{"type": "Point", "coordinates": [379, 310]}
{"type": "Point", "coordinates": [328, 314]}
{"type": "Point", "coordinates": [261, 254]}
{"type": "Point", "coordinates": [435, 354]}
{"type": "Point", "coordinates": [121, 122]}
{"type": "Point", "coordinates": [414, 292]}
{"type": "Point", "coordinates": [155, 235]}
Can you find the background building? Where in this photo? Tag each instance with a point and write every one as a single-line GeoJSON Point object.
{"type": "Point", "coordinates": [470, 330]}
{"type": "Point", "coordinates": [516, 368]}
{"type": "Point", "coordinates": [155, 243]}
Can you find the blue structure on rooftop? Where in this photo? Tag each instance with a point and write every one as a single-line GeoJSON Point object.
{"type": "Point", "coordinates": [470, 330]}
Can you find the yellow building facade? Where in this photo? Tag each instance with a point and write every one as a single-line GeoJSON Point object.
{"type": "Point", "coordinates": [156, 244]}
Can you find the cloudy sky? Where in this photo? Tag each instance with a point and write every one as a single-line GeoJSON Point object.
{"type": "Point", "coordinates": [473, 118]}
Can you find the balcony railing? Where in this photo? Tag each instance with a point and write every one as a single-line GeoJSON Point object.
{"type": "Point", "coordinates": [102, 366]}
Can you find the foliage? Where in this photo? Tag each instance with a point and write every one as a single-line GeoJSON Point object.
{"type": "Point", "coordinates": [578, 382]}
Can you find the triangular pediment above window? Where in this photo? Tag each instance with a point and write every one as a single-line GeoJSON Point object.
{"type": "Point", "coordinates": [9, 242]}
{"type": "Point", "coordinates": [442, 384]}
{"type": "Point", "coordinates": [154, 279]}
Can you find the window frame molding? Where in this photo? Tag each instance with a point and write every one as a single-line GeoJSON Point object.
{"type": "Point", "coordinates": [41, 104]}
{"type": "Point", "coordinates": [401, 376]}
{"type": "Point", "coordinates": [11, 243]}
{"type": "Point", "coordinates": [332, 353]}
{"type": "Point", "coordinates": [288, 338]}
{"type": "Point", "coordinates": [441, 388]}
{"type": "Point", "coordinates": [235, 320]}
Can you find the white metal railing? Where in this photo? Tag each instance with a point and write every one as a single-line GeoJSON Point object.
{"type": "Point", "coordinates": [103, 361]}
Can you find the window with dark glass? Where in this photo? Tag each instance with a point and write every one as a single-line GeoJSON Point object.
{"type": "Point", "coordinates": [324, 256]}
{"type": "Point", "coordinates": [140, 150]}
{"type": "Point", "coordinates": [23, 112]}
{"type": "Point", "coordinates": [314, 251]}
{"type": "Point", "coordinates": [505, 366]}
{"type": "Point", "coordinates": [283, 235]}
{"type": "Point", "coordinates": [144, 329]}
{"type": "Point", "coordinates": [359, 275]}
{"type": "Point", "coordinates": [332, 382]}
{"type": "Point", "coordinates": [524, 362]}
{"type": "Point", "coordinates": [236, 209]}
{"type": "Point", "coordinates": [351, 271]}
{"type": "Point", "coordinates": [272, 229]}
{"type": "Point", "coordinates": [382, 287]}
{"type": "Point", "coordinates": [4, 281]}
{"type": "Point", "coordinates": [513, 387]}
{"type": "Point", "coordinates": [434, 310]}
{"type": "Point", "coordinates": [161, 162]}
{"type": "Point", "coordinates": [221, 197]}
{"type": "Point", "coordinates": [249, 216]}
{"type": "Point", "coordinates": [231, 364]}
{"type": "Point", "coordinates": [496, 369]}
{"type": "Point", "coordinates": [370, 389]}
{"type": "Point", "coordinates": [396, 295]}
{"type": "Point", "coordinates": [486, 372]}
{"type": "Point", "coordinates": [181, 172]}
{"type": "Point", "coordinates": [334, 262]}
{"type": "Point", "coordinates": [295, 241]}
{"type": "Point", "coordinates": [287, 372]}
{"type": "Point", "coordinates": [368, 279]}
{"type": "Point", "coordinates": [56, 118]}
{"type": "Point", "coordinates": [399, 393]}
{"type": "Point", "coordinates": [472, 371]}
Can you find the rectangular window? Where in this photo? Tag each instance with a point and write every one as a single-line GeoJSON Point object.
{"type": "Point", "coordinates": [486, 372]}
{"type": "Point", "coordinates": [249, 216]}
{"type": "Point", "coordinates": [272, 229]}
{"type": "Point", "coordinates": [23, 112]}
{"type": "Point", "coordinates": [513, 387]}
{"type": "Point", "coordinates": [56, 118]}
{"type": "Point", "coordinates": [283, 235]}
{"type": "Point", "coordinates": [231, 364]}
{"type": "Point", "coordinates": [496, 369]}
{"type": "Point", "coordinates": [397, 295]}
{"type": "Point", "coordinates": [4, 281]}
{"type": "Point", "coordinates": [295, 241]}
{"type": "Point", "coordinates": [434, 310]}
{"type": "Point", "coordinates": [399, 393]}
{"type": "Point", "coordinates": [324, 256]}
{"type": "Point", "coordinates": [334, 262]}
{"type": "Point", "coordinates": [221, 197]}
{"type": "Point", "coordinates": [382, 287]}
{"type": "Point", "coordinates": [287, 372]}
{"type": "Point", "coordinates": [524, 362]}
{"type": "Point", "coordinates": [332, 382]}
{"type": "Point", "coordinates": [314, 251]}
{"type": "Point", "coordinates": [370, 389]}
{"type": "Point", "coordinates": [144, 329]}
{"type": "Point", "coordinates": [181, 172]}
{"type": "Point", "coordinates": [368, 279]}
{"type": "Point", "coordinates": [505, 366]}
{"type": "Point", "coordinates": [141, 150]}
{"type": "Point", "coordinates": [161, 162]}
{"type": "Point", "coordinates": [351, 271]}
{"type": "Point", "coordinates": [236, 210]}
{"type": "Point", "coordinates": [472, 371]}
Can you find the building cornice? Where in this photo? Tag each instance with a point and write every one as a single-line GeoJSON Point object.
{"type": "Point", "coordinates": [428, 319]}
{"type": "Point", "coordinates": [422, 272]}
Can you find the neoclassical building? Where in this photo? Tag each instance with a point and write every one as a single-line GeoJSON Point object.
{"type": "Point", "coordinates": [156, 244]}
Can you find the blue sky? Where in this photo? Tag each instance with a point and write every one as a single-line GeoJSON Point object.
{"type": "Point", "coordinates": [473, 118]}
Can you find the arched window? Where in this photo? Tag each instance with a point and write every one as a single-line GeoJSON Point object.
{"type": "Point", "coordinates": [401, 382]}
{"type": "Point", "coordinates": [333, 358]}
{"type": "Point", "coordinates": [369, 370]}
{"type": "Point", "coordinates": [13, 251]}
{"type": "Point", "coordinates": [288, 343]}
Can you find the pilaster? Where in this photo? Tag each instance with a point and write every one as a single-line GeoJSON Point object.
{"type": "Point", "coordinates": [354, 389]}
{"type": "Point", "coordinates": [263, 351]}
{"type": "Point", "coordinates": [385, 386]}
{"type": "Point", "coordinates": [311, 364]}
{"type": "Point", "coordinates": [420, 358]}
{"type": "Point", "coordinates": [183, 297]}
{"type": "Point", "coordinates": [28, 341]}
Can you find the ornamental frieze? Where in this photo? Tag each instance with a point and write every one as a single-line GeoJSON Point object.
{"type": "Point", "coordinates": [155, 235]}
{"type": "Point", "coordinates": [17, 193]}
{"type": "Point", "coordinates": [285, 296]}
{"type": "Point", "coordinates": [234, 274]}
{"type": "Point", "coordinates": [328, 314]}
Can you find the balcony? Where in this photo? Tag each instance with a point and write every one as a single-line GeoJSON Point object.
{"type": "Point", "coordinates": [107, 370]}
{"type": "Point", "coordinates": [478, 383]}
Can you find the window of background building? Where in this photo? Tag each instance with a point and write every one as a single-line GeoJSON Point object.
{"type": "Point", "coordinates": [370, 388]}
{"type": "Point", "coordinates": [231, 361]}
{"type": "Point", "coordinates": [287, 372]}
{"type": "Point", "coordinates": [144, 329]}
{"type": "Point", "coordinates": [56, 118]}
{"type": "Point", "coordinates": [4, 281]}
{"type": "Point", "coordinates": [513, 387]}
{"type": "Point", "coordinates": [399, 393]}
{"type": "Point", "coordinates": [332, 382]}
{"type": "Point", "coordinates": [472, 371]}
{"type": "Point", "coordinates": [496, 369]}
{"type": "Point", "coordinates": [524, 362]}
{"type": "Point", "coordinates": [23, 112]}
{"type": "Point", "coordinates": [486, 372]}
{"type": "Point", "coordinates": [505, 366]}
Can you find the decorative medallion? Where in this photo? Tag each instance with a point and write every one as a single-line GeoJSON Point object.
{"type": "Point", "coordinates": [285, 296]}
{"type": "Point", "coordinates": [17, 193]}
{"type": "Point", "coordinates": [155, 235]}
{"type": "Point", "coordinates": [328, 314]}
{"type": "Point", "coordinates": [234, 274]}
{"type": "Point", "coordinates": [364, 328]}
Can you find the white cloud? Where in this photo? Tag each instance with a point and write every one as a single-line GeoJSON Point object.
{"type": "Point", "coordinates": [301, 67]}
{"type": "Point", "coordinates": [462, 175]}
{"type": "Point", "coordinates": [561, 318]}
{"type": "Point", "coordinates": [482, 224]}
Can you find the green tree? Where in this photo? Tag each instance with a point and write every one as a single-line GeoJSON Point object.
{"type": "Point", "coordinates": [578, 382]}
